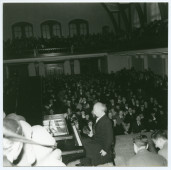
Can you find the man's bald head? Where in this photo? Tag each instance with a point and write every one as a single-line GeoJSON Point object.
{"type": "Point", "coordinates": [99, 109]}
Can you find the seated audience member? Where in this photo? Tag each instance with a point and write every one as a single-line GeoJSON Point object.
{"type": "Point", "coordinates": [128, 121]}
{"type": "Point", "coordinates": [119, 123]}
{"type": "Point", "coordinates": [160, 140]}
{"type": "Point", "coordinates": [138, 125]}
{"type": "Point", "coordinates": [11, 149]}
{"type": "Point", "coordinates": [45, 156]}
{"type": "Point", "coordinates": [143, 157]}
{"type": "Point", "coordinates": [152, 121]}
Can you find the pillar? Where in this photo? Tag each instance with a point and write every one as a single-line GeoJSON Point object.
{"type": "Point", "coordinates": [76, 67]}
{"type": "Point", "coordinates": [41, 69]}
{"type": "Point", "coordinates": [129, 62]}
{"type": "Point", "coordinates": [67, 67]}
{"type": "Point", "coordinates": [99, 65]}
{"type": "Point", "coordinates": [31, 69]}
{"type": "Point", "coordinates": [145, 62]}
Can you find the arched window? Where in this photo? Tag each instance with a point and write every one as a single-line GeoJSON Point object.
{"type": "Point", "coordinates": [78, 27]}
{"type": "Point", "coordinates": [22, 29]}
{"type": "Point", "coordinates": [50, 29]}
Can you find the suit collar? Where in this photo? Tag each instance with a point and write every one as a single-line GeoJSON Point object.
{"type": "Point", "coordinates": [99, 119]}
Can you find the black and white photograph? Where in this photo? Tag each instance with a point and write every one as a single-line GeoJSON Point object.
{"type": "Point", "coordinates": [85, 83]}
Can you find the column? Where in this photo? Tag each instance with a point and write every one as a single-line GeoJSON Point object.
{"type": "Point", "coordinates": [76, 67]}
{"type": "Point", "coordinates": [31, 69]}
{"type": "Point", "coordinates": [6, 70]}
{"type": "Point", "coordinates": [99, 65]}
{"type": "Point", "coordinates": [166, 65]}
{"type": "Point", "coordinates": [129, 62]}
{"type": "Point", "coordinates": [67, 68]}
{"type": "Point", "coordinates": [145, 62]}
{"type": "Point", "coordinates": [41, 69]}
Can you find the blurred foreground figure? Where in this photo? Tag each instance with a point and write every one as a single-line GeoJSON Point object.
{"type": "Point", "coordinates": [159, 138]}
{"type": "Point", "coordinates": [15, 117]}
{"type": "Point", "coordinates": [27, 157]}
{"type": "Point", "coordinates": [45, 156]}
{"type": "Point", "coordinates": [143, 157]}
{"type": "Point", "coordinates": [11, 149]}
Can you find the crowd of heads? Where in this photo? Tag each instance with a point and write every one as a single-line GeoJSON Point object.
{"type": "Point", "coordinates": [129, 96]}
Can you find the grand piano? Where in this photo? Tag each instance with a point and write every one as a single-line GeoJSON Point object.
{"type": "Point", "coordinates": [66, 135]}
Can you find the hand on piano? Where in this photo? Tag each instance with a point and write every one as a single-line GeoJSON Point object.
{"type": "Point", "coordinates": [86, 130]}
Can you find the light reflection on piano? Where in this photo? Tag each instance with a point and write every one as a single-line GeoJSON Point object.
{"type": "Point", "coordinates": [69, 143]}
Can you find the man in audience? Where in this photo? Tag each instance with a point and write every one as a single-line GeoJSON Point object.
{"type": "Point", "coordinates": [98, 149]}
{"type": "Point", "coordinates": [138, 125]}
{"type": "Point", "coordinates": [160, 140]}
{"type": "Point", "coordinates": [143, 157]}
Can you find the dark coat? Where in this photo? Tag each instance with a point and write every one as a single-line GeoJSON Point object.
{"type": "Point", "coordinates": [144, 158]}
{"type": "Point", "coordinates": [102, 139]}
{"type": "Point", "coordinates": [137, 128]}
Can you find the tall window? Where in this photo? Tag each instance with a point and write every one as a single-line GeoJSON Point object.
{"type": "Point", "coordinates": [46, 31]}
{"type": "Point", "coordinates": [73, 29]}
{"type": "Point", "coordinates": [78, 27]}
{"type": "Point", "coordinates": [17, 32]}
{"type": "Point", "coordinates": [50, 29]}
{"type": "Point", "coordinates": [136, 20]}
{"type": "Point", "coordinates": [22, 29]}
{"type": "Point", "coordinates": [56, 30]}
{"type": "Point", "coordinates": [28, 31]}
{"type": "Point", "coordinates": [83, 29]}
{"type": "Point", "coordinates": [154, 12]}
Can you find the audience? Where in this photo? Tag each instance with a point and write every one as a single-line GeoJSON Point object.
{"type": "Point", "coordinates": [132, 107]}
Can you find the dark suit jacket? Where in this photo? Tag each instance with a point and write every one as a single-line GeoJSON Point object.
{"type": "Point", "coordinates": [144, 158]}
{"type": "Point", "coordinates": [104, 133]}
{"type": "Point", "coordinates": [137, 128]}
{"type": "Point", "coordinates": [102, 139]}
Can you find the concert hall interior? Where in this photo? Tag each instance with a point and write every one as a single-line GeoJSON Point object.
{"type": "Point", "coordinates": [85, 84]}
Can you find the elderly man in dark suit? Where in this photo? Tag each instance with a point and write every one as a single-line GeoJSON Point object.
{"type": "Point", "coordinates": [143, 157]}
{"type": "Point", "coordinates": [99, 147]}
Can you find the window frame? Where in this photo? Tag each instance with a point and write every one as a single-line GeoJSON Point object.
{"type": "Point", "coordinates": [50, 24]}
{"type": "Point", "coordinates": [22, 26]}
{"type": "Point", "coordinates": [78, 23]}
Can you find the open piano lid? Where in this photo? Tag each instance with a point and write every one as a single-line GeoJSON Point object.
{"type": "Point", "coordinates": [70, 144]}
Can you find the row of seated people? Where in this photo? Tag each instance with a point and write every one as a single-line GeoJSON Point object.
{"type": "Point", "coordinates": [96, 42]}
